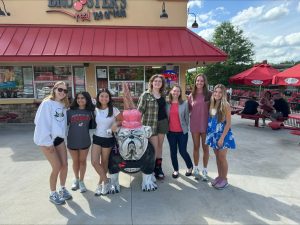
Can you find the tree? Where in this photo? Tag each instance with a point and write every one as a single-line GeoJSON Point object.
{"type": "Point", "coordinates": [230, 39]}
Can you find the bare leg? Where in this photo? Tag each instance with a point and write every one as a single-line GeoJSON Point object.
{"type": "Point", "coordinates": [62, 154]}
{"type": "Point", "coordinates": [82, 163]}
{"type": "Point", "coordinates": [75, 158]}
{"type": "Point", "coordinates": [218, 162]}
{"type": "Point", "coordinates": [196, 142]}
{"type": "Point", "coordinates": [54, 161]}
{"type": "Point", "coordinates": [95, 159]}
{"type": "Point", "coordinates": [223, 163]}
{"type": "Point", "coordinates": [205, 150]}
{"type": "Point", "coordinates": [154, 142]}
{"type": "Point", "coordinates": [104, 162]}
{"type": "Point", "coordinates": [161, 138]}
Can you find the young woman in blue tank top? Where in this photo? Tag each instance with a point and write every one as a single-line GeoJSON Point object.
{"type": "Point", "coordinates": [219, 135]}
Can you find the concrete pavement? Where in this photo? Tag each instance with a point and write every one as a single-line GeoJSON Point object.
{"type": "Point", "coordinates": [263, 176]}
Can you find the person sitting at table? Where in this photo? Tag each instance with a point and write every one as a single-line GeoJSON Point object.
{"type": "Point", "coordinates": [281, 106]}
{"type": "Point", "coordinates": [266, 106]}
{"type": "Point", "coordinates": [250, 107]}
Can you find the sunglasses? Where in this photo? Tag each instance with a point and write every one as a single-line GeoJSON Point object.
{"type": "Point", "coordinates": [62, 90]}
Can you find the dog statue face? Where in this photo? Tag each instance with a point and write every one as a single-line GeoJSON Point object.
{"type": "Point", "coordinates": [133, 142]}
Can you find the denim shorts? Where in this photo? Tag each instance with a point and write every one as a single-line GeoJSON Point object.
{"type": "Point", "coordinates": [104, 142]}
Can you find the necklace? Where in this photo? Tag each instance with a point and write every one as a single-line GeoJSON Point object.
{"type": "Point", "coordinates": [156, 95]}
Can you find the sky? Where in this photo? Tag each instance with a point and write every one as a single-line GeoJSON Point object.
{"type": "Point", "coordinates": [273, 26]}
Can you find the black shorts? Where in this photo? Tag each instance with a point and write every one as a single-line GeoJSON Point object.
{"type": "Point", "coordinates": [57, 141]}
{"type": "Point", "coordinates": [104, 142]}
{"type": "Point", "coordinates": [78, 149]}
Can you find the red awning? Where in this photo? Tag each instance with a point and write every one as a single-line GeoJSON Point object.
{"type": "Point", "coordinates": [260, 74]}
{"type": "Point", "coordinates": [100, 43]}
{"type": "Point", "coordinates": [288, 77]}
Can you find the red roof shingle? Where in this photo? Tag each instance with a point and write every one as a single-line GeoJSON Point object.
{"type": "Point", "coordinates": [101, 43]}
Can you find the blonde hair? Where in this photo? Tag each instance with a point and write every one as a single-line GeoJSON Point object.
{"type": "Point", "coordinates": [205, 87]}
{"type": "Point", "coordinates": [219, 105]}
{"type": "Point", "coordinates": [150, 85]}
{"type": "Point", "coordinates": [51, 96]}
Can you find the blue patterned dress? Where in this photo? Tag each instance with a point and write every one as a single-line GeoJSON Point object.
{"type": "Point", "coordinates": [214, 132]}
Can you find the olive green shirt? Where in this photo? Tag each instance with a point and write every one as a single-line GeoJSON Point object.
{"type": "Point", "coordinates": [148, 106]}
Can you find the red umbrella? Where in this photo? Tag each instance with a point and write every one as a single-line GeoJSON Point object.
{"type": "Point", "coordinates": [289, 77]}
{"type": "Point", "coordinates": [258, 75]}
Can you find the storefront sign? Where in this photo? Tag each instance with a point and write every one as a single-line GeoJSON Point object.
{"type": "Point", "coordinates": [257, 82]}
{"type": "Point", "coordinates": [291, 80]}
{"type": "Point", "coordinates": [85, 10]}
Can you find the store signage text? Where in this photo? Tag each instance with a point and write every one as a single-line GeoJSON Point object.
{"type": "Point", "coordinates": [110, 8]}
{"type": "Point", "coordinates": [257, 82]}
{"type": "Point", "coordinates": [291, 80]}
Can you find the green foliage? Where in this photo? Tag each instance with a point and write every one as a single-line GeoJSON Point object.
{"type": "Point", "coordinates": [219, 73]}
{"type": "Point", "coordinates": [190, 76]}
{"type": "Point", "coordinates": [230, 39]}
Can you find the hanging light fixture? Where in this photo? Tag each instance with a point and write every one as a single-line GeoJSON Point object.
{"type": "Point", "coordinates": [164, 14]}
{"type": "Point", "coordinates": [3, 13]}
{"type": "Point", "coordinates": [195, 24]}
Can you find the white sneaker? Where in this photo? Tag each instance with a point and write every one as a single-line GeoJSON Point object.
{"type": "Point", "coordinates": [196, 173]}
{"type": "Point", "coordinates": [56, 199]}
{"type": "Point", "coordinates": [98, 190]}
{"type": "Point", "coordinates": [105, 188]}
{"type": "Point", "coordinates": [82, 186]}
{"type": "Point", "coordinates": [64, 193]}
{"type": "Point", "coordinates": [204, 175]}
{"type": "Point", "coordinates": [75, 184]}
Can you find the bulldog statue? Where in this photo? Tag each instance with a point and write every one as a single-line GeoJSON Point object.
{"type": "Point", "coordinates": [133, 152]}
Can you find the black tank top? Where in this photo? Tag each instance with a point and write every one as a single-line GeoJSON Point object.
{"type": "Point", "coordinates": [162, 114]}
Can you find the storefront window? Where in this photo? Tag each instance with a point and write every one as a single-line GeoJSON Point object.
{"type": "Point", "coordinates": [133, 75]}
{"type": "Point", "coordinates": [126, 73]}
{"type": "Point", "coordinates": [16, 82]}
{"type": "Point", "coordinates": [79, 79]}
{"type": "Point", "coordinates": [28, 82]}
{"type": "Point", "coordinates": [46, 76]}
{"type": "Point", "coordinates": [102, 77]}
{"type": "Point", "coordinates": [170, 73]}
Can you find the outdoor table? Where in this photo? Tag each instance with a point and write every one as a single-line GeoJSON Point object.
{"type": "Point", "coordinates": [296, 130]}
{"type": "Point", "coordinates": [295, 116]}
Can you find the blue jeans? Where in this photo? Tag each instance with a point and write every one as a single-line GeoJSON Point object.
{"type": "Point", "coordinates": [179, 139]}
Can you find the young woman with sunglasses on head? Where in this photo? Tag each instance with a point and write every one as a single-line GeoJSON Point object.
{"type": "Point", "coordinates": [106, 116]}
{"type": "Point", "coordinates": [79, 117]}
{"type": "Point", "coordinates": [50, 132]}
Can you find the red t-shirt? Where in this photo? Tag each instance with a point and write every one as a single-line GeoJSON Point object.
{"type": "Point", "coordinates": [174, 120]}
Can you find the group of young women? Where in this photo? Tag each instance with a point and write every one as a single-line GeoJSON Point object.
{"type": "Point", "coordinates": [207, 115]}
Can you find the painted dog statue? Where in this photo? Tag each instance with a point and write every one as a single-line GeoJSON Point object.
{"type": "Point", "coordinates": [134, 152]}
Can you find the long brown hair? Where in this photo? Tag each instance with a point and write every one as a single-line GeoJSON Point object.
{"type": "Point", "coordinates": [109, 104]}
{"type": "Point", "coordinates": [180, 101]}
{"type": "Point", "coordinates": [206, 93]}
{"type": "Point", "coordinates": [51, 96]}
{"type": "Point", "coordinates": [150, 85]}
{"type": "Point", "coordinates": [219, 105]}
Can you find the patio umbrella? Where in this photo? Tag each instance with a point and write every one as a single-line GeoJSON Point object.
{"type": "Point", "coordinates": [288, 77]}
{"type": "Point", "coordinates": [259, 75]}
